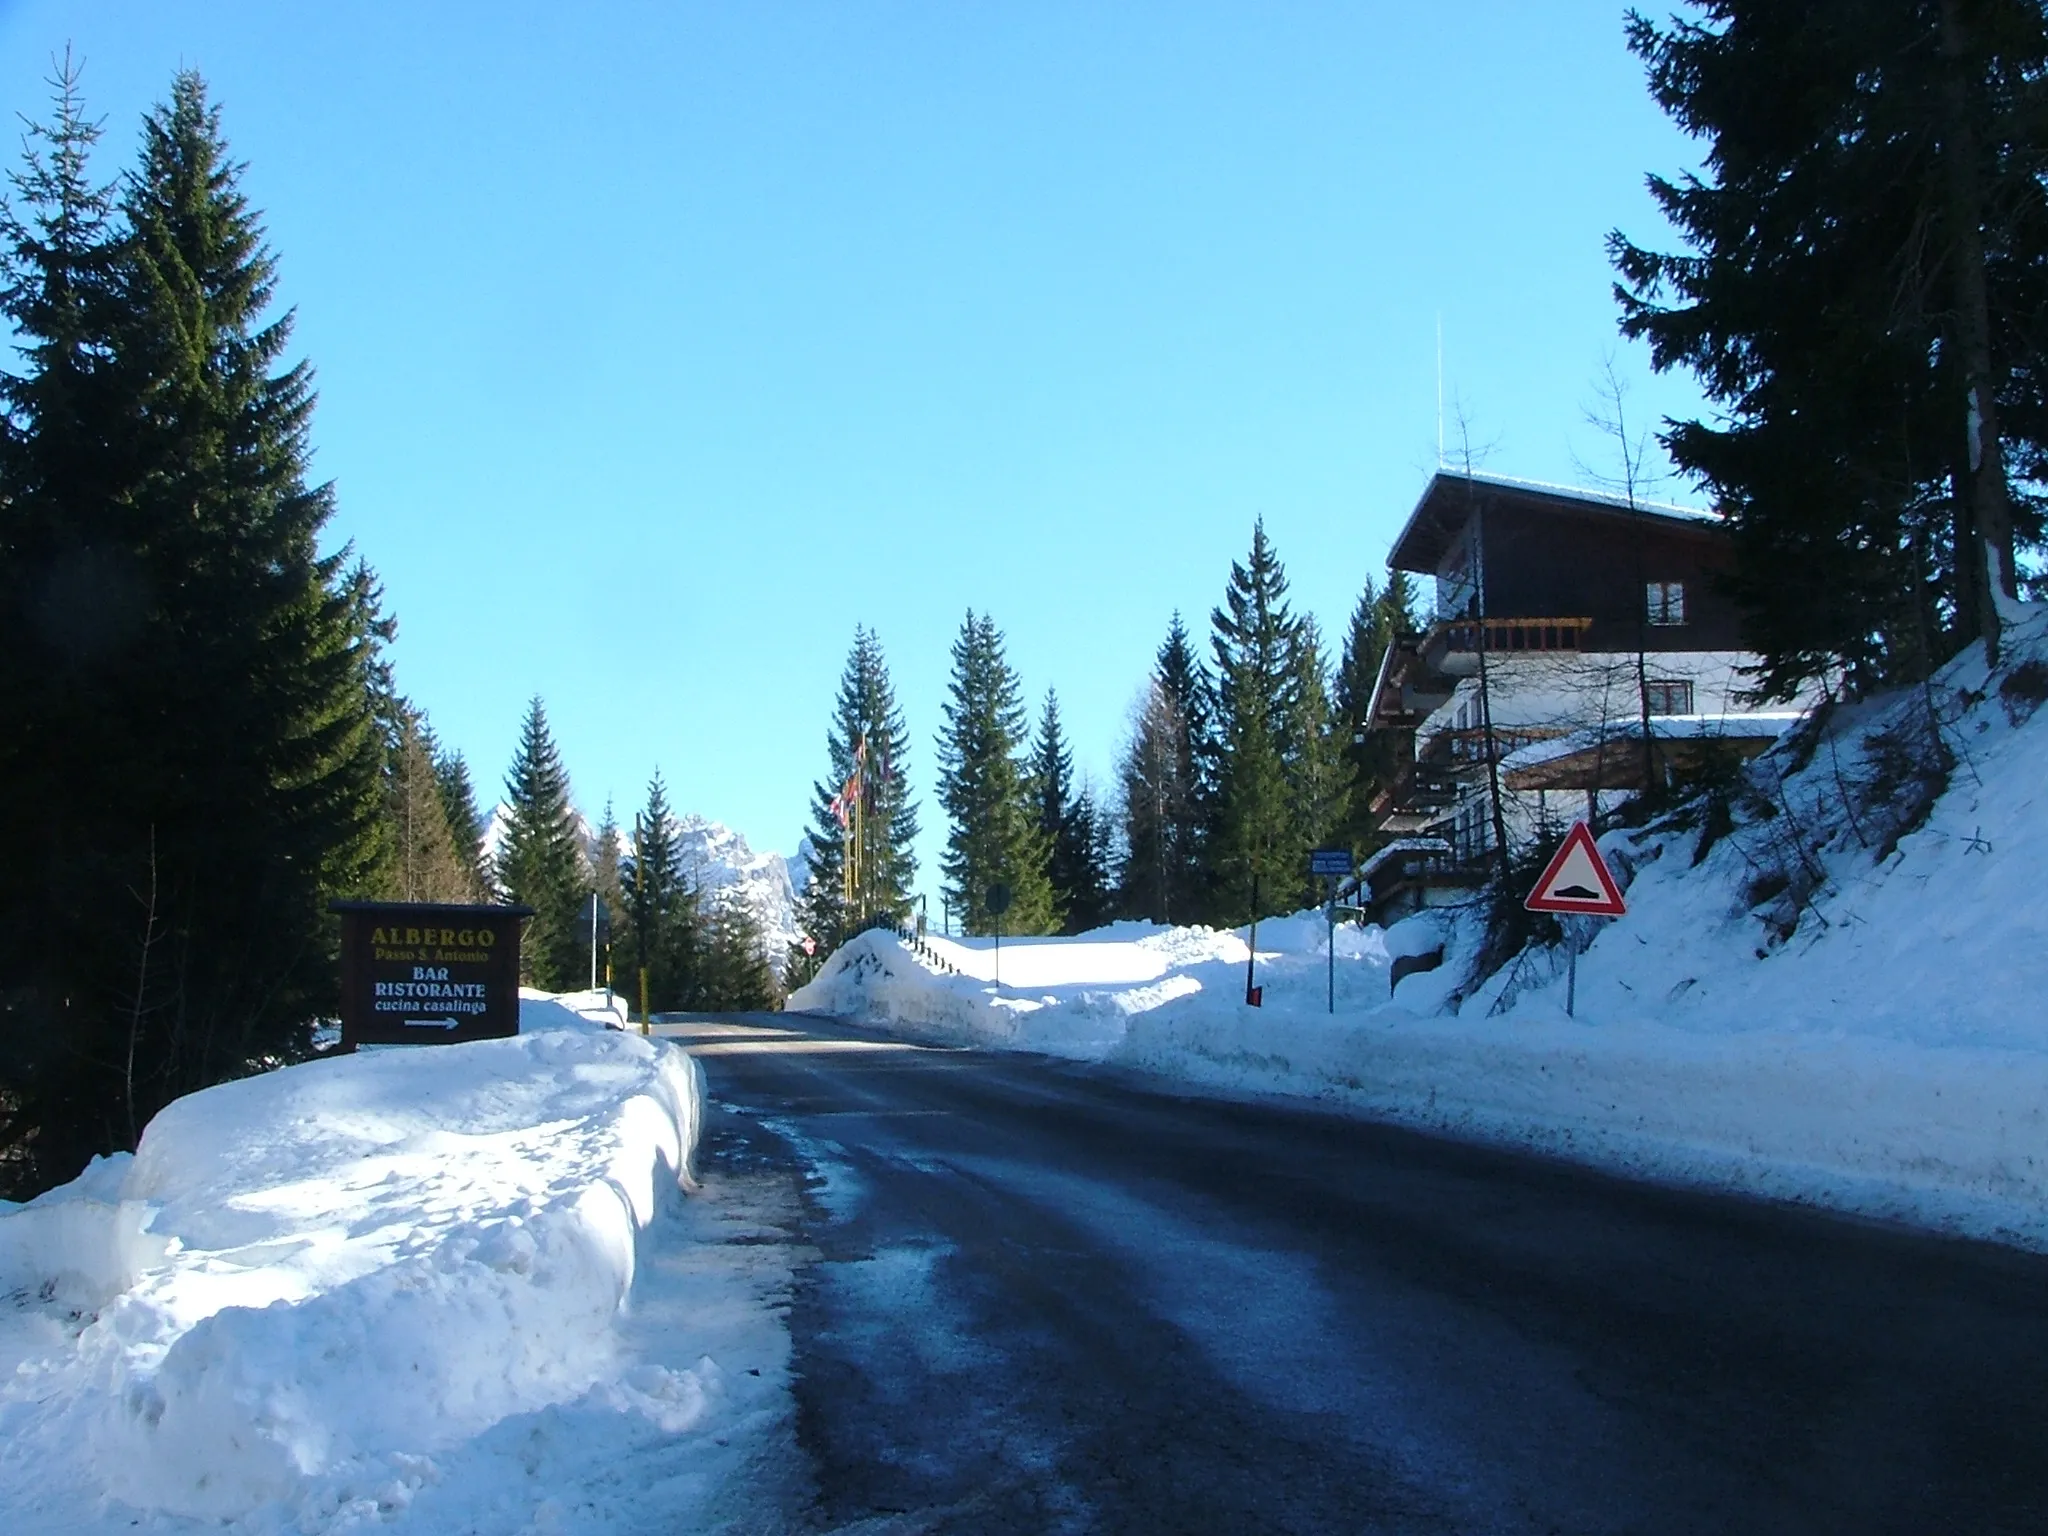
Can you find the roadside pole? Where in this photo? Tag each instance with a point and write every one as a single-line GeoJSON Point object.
{"type": "Point", "coordinates": [997, 900]}
{"type": "Point", "coordinates": [646, 1024]}
{"type": "Point", "coordinates": [1575, 883]}
{"type": "Point", "coordinates": [1333, 864]}
{"type": "Point", "coordinates": [1571, 968]}
{"type": "Point", "coordinates": [1254, 996]}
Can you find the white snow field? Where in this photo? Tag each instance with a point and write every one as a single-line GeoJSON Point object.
{"type": "Point", "coordinates": [1807, 1013]}
{"type": "Point", "coordinates": [448, 1288]}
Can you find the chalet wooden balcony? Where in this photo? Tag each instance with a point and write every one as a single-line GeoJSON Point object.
{"type": "Point", "coordinates": [1446, 765]}
{"type": "Point", "coordinates": [1451, 647]}
{"type": "Point", "coordinates": [1466, 748]}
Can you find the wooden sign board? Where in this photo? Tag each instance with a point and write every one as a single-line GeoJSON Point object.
{"type": "Point", "coordinates": [420, 973]}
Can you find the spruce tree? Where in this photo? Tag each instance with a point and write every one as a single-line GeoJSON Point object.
{"type": "Point", "coordinates": [1066, 840]}
{"type": "Point", "coordinates": [608, 883]}
{"type": "Point", "coordinates": [984, 785]}
{"type": "Point", "coordinates": [867, 724]}
{"type": "Point", "coordinates": [1373, 756]}
{"type": "Point", "coordinates": [1257, 840]}
{"type": "Point", "coordinates": [540, 858]}
{"type": "Point", "coordinates": [1166, 777]}
{"type": "Point", "coordinates": [1151, 791]}
{"type": "Point", "coordinates": [190, 685]}
{"type": "Point", "coordinates": [425, 863]}
{"type": "Point", "coordinates": [1862, 298]}
{"type": "Point", "coordinates": [465, 822]}
{"type": "Point", "coordinates": [661, 927]}
{"type": "Point", "coordinates": [1090, 892]}
{"type": "Point", "coordinates": [1319, 775]}
{"type": "Point", "coordinates": [737, 975]}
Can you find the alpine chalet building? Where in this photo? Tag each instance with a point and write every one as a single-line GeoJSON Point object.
{"type": "Point", "coordinates": [1557, 615]}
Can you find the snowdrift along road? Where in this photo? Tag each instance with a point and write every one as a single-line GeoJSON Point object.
{"type": "Point", "coordinates": [1828, 987]}
{"type": "Point", "coordinates": [308, 1294]}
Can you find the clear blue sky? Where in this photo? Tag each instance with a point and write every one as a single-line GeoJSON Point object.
{"type": "Point", "coordinates": [659, 344]}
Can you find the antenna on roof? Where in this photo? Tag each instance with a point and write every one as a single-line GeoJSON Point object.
{"type": "Point", "coordinates": [1439, 389]}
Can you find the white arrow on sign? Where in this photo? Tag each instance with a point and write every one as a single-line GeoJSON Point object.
{"type": "Point", "coordinates": [433, 1024]}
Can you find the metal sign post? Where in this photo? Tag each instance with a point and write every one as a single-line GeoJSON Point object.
{"type": "Point", "coordinates": [1576, 883]}
{"type": "Point", "coordinates": [997, 900]}
{"type": "Point", "coordinates": [594, 924]}
{"type": "Point", "coordinates": [1333, 864]}
{"type": "Point", "coordinates": [1254, 995]}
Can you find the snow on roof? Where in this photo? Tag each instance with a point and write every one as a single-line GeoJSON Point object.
{"type": "Point", "coordinates": [1607, 501]}
{"type": "Point", "coordinates": [1765, 724]}
{"type": "Point", "coordinates": [1379, 682]}
{"type": "Point", "coordinates": [1396, 848]}
{"type": "Point", "coordinates": [1617, 499]}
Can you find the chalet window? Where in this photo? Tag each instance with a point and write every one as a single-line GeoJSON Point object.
{"type": "Point", "coordinates": [1669, 698]}
{"type": "Point", "coordinates": [1457, 593]}
{"type": "Point", "coordinates": [1667, 602]}
{"type": "Point", "coordinates": [1474, 834]}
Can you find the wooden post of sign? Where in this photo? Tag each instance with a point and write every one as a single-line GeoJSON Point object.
{"type": "Point", "coordinates": [645, 1022]}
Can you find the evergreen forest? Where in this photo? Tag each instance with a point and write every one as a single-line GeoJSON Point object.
{"type": "Point", "coordinates": [206, 739]}
{"type": "Point", "coordinates": [1861, 288]}
{"type": "Point", "coordinates": [1236, 763]}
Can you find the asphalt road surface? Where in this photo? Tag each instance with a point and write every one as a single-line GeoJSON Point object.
{"type": "Point", "coordinates": [1041, 1297]}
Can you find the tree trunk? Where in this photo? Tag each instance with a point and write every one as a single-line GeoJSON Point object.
{"type": "Point", "coordinates": [1988, 567]}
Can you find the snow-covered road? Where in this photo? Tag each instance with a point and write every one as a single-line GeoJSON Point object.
{"type": "Point", "coordinates": [1046, 1299]}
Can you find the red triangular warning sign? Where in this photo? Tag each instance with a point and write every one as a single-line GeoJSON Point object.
{"type": "Point", "coordinates": [1576, 880]}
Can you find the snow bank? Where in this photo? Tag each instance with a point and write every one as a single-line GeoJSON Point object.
{"type": "Point", "coordinates": [1077, 997]}
{"type": "Point", "coordinates": [571, 1010]}
{"type": "Point", "coordinates": [1826, 1003]}
{"type": "Point", "coordinates": [307, 1286]}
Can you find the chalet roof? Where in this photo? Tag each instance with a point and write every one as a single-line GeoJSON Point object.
{"type": "Point", "coordinates": [1398, 847]}
{"type": "Point", "coordinates": [1379, 682]}
{"type": "Point", "coordinates": [1446, 500]}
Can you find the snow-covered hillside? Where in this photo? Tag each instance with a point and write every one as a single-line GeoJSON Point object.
{"type": "Point", "coordinates": [1828, 986]}
{"type": "Point", "coordinates": [718, 860]}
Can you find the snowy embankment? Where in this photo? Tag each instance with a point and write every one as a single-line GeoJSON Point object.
{"type": "Point", "coordinates": [349, 1291]}
{"type": "Point", "coordinates": [1833, 994]}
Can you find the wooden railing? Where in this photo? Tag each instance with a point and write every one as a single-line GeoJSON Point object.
{"type": "Point", "coordinates": [1469, 745]}
{"type": "Point", "coordinates": [1511, 634]}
